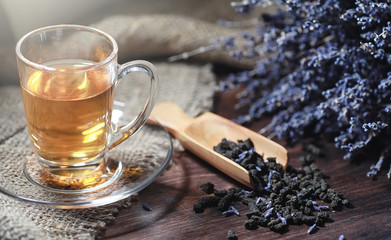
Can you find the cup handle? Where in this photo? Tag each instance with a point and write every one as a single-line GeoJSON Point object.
{"type": "Point", "coordinates": [121, 133]}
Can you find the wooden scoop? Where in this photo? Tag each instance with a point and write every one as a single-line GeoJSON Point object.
{"type": "Point", "coordinates": [199, 135]}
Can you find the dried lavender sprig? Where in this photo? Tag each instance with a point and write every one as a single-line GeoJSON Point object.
{"type": "Point", "coordinates": [374, 169]}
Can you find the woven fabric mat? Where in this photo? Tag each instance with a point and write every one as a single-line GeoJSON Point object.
{"type": "Point", "coordinates": [190, 86]}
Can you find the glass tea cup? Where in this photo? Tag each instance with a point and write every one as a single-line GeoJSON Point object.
{"type": "Point", "coordinates": [68, 76]}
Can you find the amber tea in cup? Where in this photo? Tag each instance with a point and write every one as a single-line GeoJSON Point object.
{"type": "Point", "coordinates": [68, 76]}
{"type": "Point", "coordinates": [68, 114]}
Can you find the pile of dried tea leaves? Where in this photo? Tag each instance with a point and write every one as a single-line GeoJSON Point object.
{"type": "Point", "coordinates": [279, 198]}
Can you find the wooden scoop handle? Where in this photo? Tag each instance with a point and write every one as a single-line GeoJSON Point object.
{"type": "Point", "coordinates": [171, 116]}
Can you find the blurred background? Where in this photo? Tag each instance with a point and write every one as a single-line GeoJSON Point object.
{"type": "Point", "coordinates": [19, 17]}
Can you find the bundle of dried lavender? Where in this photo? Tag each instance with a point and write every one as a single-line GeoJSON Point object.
{"type": "Point", "coordinates": [322, 69]}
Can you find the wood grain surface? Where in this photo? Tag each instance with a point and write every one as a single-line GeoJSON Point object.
{"type": "Point", "coordinates": [172, 195]}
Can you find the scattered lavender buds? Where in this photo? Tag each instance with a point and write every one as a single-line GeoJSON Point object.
{"type": "Point", "coordinates": [311, 229]}
{"type": "Point", "coordinates": [279, 199]}
{"type": "Point", "coordinates": [389, 173]}
{"type": "Point", "coordinates": [231, 210]}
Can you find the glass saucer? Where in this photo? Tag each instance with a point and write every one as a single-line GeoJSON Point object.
{"type": "Point", "coordinates": [138, 162]}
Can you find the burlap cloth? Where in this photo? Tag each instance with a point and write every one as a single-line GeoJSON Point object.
{"type": "Point", "coordinates": [190, 86]}
{"type": "Point", "coordinates": [167, 35]}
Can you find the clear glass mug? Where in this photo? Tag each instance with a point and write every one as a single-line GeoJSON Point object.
{"type": "Point", "coordinates": [68, 76]}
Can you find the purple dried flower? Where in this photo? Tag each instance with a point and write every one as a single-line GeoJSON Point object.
{"type": "Point", "coordinates": [311, 229]}
{"type": "Point", "coordinates": [389, 173]}
{"type": "Point", "coordinates": [268, 213]}
{"type": "Point", "coordinates": [231, 210]}
{"type": "Point", "coordinates": [320, 208]}
{"type": "Point", "coordinates": [240, 157]}
{"type": "Point", "coordinates": [271, 173]}
{"type": "Point", "coordinates": [283, 220]}
{"type": "Point", "coordinates": [245, 191]}
{"type": "Point", "coordinates": [259, 199]}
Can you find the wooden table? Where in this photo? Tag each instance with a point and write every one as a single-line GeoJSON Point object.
{"type": "Point", "coordinates": [173, 194]}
